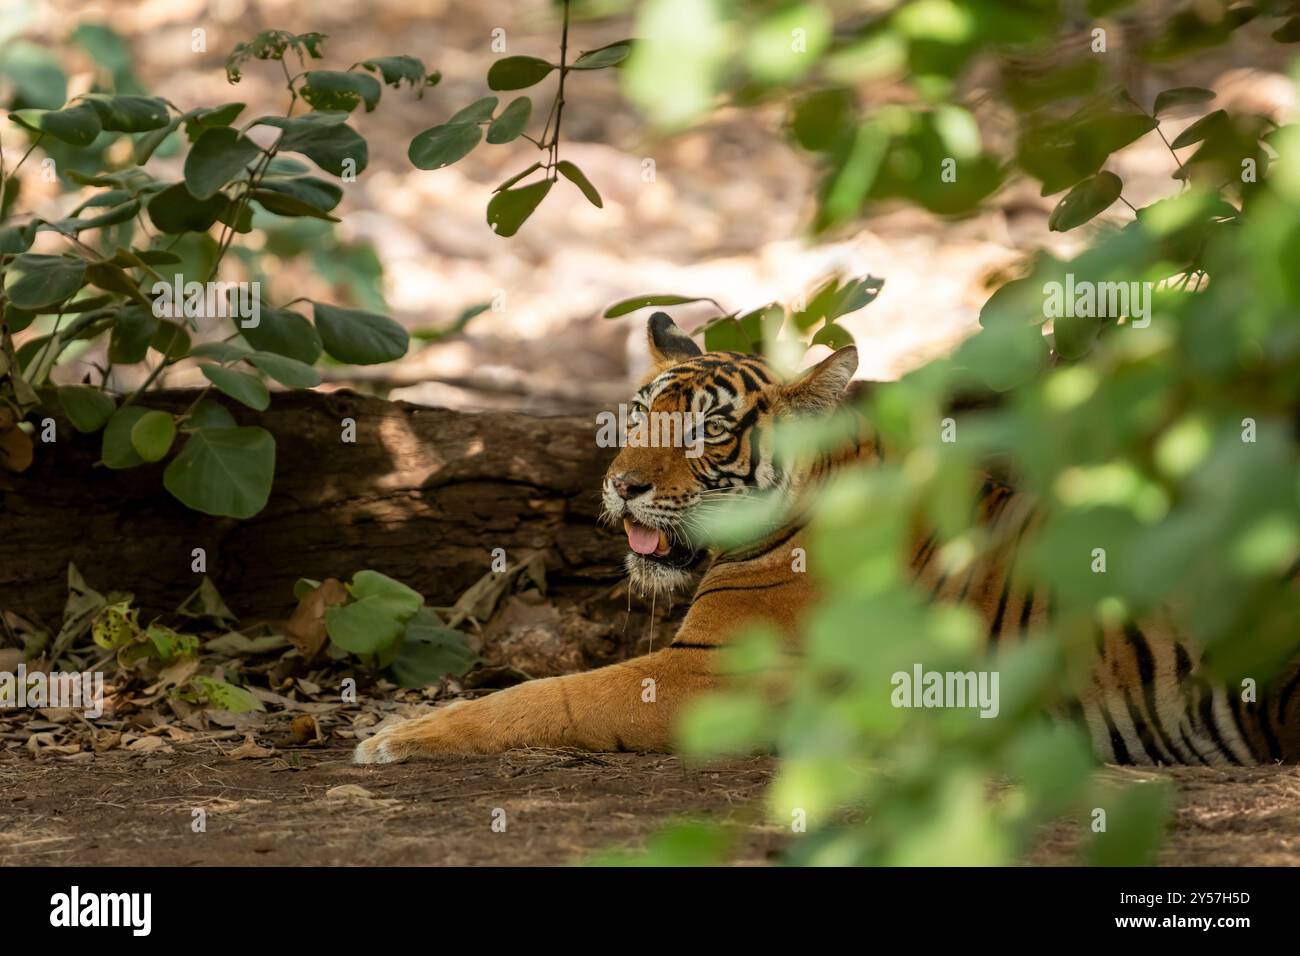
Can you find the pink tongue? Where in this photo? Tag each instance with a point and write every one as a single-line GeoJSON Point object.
{"type": "Point", "coordinates": [641, 539]}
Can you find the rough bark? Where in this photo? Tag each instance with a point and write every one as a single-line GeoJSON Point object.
{"type": "Point", "coordinates": [424, 495]}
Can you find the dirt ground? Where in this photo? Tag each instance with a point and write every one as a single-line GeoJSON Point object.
{"type": "Point", "coordinates": [313, 807]}
{"type": "Point", "coordinates": [559, 807]}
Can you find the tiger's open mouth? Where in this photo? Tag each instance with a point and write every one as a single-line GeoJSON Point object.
{"type": "Point", "coordinates": [656, 544]}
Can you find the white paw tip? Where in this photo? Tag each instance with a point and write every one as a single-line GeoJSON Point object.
{"type": "Point", "coordinates": [373, 750]}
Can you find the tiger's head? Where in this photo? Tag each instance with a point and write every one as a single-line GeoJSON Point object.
{"type": "Point", "coordinates": [721, 408]}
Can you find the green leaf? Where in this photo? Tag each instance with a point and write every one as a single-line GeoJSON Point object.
{"type": "Point", "coordinates": [174, 210]}
{"type": "Point", "coordinates": [286, 371]}
{"type": "Point", "coordinates": [576, 176]}
{"type": "Point", "coordinates": [642, 301]}
{"type": "Point", "coordinates": [443, 145]}
{"type": "Point", "coordinates": [1135, 819]}
{"type": "Point", "coordinates": [334, 90]}
{"type": "Point", "coordinates": [284, 332]}
{"type": "Point", "coordinates": [511, 122]}
{"type": "Point", "coordinates": [855, 295]}
{"type": "Point", "coordinates": [148, 143]}
{"type": "Point", "coordinates": [87, 408]}
{"type": "Point", "coordinates": [821, 119]}
{"type": "Point", "coordinates": [240, 386]}
{"type": "Point", "coordinates": [1086, 200]}
{"type": "Point", "coordinates": [377, 615]}
{"type": "Point", "coordinates": [77, 125]}
{"type": "Point", "coordinates": [220, 351]}
{"type": "Point", "coordinates": [224, 471]}
{"type": "Point", "coordinates": [220, 154]}
{"type": "Point", "coordinates": [224, 696]}
{"type": "Point", "coordinates": [133, 329]}
{"type": "Point", "coordinates": [128, 114]}
{"type": "Point", "coordinates": [170, 339]}
{"type": "Point", "coordinates": [610, 55]}
{"type": "Point", "coordinates": [430, 652]}
{"type": "Point", "coordinates": [1202, 128]}
{"type": "Point", "coordinates": [17, 239]}
{"type": "Point", "coordinates": [359, 337]}
{"type": "Point", "coordinates": [116, 448]}
{"type": "Point", "coordinates": [396, 69]}
{"type": "Point", "coordinates": [34, 72]}
{"type": "Point", "coordinates": [283, 204]}
{"type": "Point", "coordinates": [74, 225]}
{"type": "Point", "coordinates": [1288, 32]}
{"type": "Point", "coordinates": [152, 435]}
{"type": "Point", "coordinates": [200, 120]}
{"type": "Point", "coordinates": [321, 193]}
{"type": "Point", "coordinates": [171, 644]}
{"type": "Point", "coordinates": [726, 335]}
{"type": "Point", "coordinates": [517, 72]}
{"type": "Point", "coordinates": [518, 176]}
{"type": "Point", "coordinates": [510, 208]}
{"type": "Point", "coordinates": [330, 145]}
{"type": "Point", "coordinates": [724, 723]}
{"type": "Point", "coordinates": [44, 280]}
{"type": "Point", "coordinates": [1181, 96]}
{"type": "Point", "coordinates": [480, 111]}
{"type": "Point", "coordinates": [209, 413]}
{"type": "Point", "coordinates": [833, 335]}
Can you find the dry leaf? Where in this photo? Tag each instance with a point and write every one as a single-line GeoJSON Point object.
{"type": "Point", "coordinates": [306, 626]}
{"type": "Point", "coordinates": [249, 750]}
{"type": "Point", "coordinates": [147, 745]}
{"type": "Point", "coordinates": [15, 449]}
{"type": "Point", "coordinates": [304, 729]}
{"type": "Point", "coordinates": [348, 791]}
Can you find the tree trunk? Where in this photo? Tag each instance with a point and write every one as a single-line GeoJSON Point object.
{"type": "Point", "coordinates": [423, 495]}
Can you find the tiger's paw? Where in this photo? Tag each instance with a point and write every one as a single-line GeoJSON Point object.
{"type": "Point", "coordinates": [381, 748]}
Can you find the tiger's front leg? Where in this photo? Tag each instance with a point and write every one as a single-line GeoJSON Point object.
{"type": "Point", "coordinates": [627, 706]}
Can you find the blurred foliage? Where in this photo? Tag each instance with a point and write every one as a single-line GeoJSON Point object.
{"type": "Point", "coordinates": [141, 263]}
{"type": "Point", "coordinates": [1161, 427]}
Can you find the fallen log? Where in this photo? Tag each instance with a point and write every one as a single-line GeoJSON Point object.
{"type": "Point", "coordinates": [423, 495]}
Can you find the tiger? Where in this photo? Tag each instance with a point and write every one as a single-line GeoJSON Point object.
{"type": "Point", "coordinates": [1145, 703]}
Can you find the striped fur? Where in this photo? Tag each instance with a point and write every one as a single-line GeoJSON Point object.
{"type": "Point", "coordinates": [1146, 702]}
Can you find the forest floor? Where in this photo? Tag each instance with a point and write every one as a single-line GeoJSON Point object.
{"type": "Point", "coordinates": [287, 806]}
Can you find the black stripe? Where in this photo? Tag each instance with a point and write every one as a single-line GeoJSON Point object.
{"type": "Point", "coordinates": [1145, 737]}
{"type": "Point", "coordinates": [1234, 705]}
{"type": "Point", "coordinates": [995, 628]}
{"type": "Point", "coordinates": [1117, 747]}
{"type": "Point", "coordinates": [1260, 710]}
{"type": "Point", "coordinates": [1191, 746]}
{"type": "Point", "coordinates": [1205, 708]}
{"type": "Point", "coordinates": [750, 382]}
{"type": "Point", "coordinates": [752, 555]}
{"type": "Point", "coordinates": [740, 587]}
{"type": "Point", "coordinates": [1025, 612]}
{"type": "Point", "coordinates": [1285, 698]}
{"type": "Point", "coordinates": [1147, 672]}
{"type": "Point", "coordinates": [687, 646]}
{"type": "Point", "coordinates": [923, 554]}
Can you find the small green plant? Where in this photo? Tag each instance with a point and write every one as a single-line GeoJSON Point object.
{"type": "Point", "coordinates": [517, 198]}
{"type": "Point", "coordinates": [384, 623]}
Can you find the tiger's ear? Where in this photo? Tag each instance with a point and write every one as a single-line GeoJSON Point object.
{"type": "Point", "coordinates": [669, 344]}
{"type": "Point", "coordinates": [822, 385]}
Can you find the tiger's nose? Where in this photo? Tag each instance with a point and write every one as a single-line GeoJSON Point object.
{"type": "Point", "coordinates": [629, 485]}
